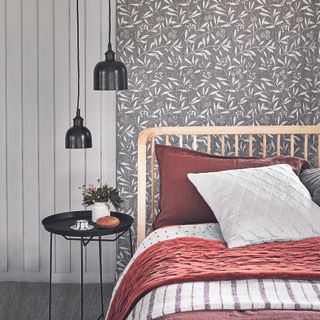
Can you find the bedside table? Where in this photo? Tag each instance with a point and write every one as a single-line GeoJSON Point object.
{"type": "Point", "coordinates": [60, 224]}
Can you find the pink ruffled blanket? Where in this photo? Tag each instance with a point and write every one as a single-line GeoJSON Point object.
{"type": "Point", "coordinates": [194, 259]}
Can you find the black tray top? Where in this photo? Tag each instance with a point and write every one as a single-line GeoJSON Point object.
{"type": "Point", "coordinates": [60, 224]}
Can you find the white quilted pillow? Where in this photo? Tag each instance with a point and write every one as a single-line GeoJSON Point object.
{"type": "Point", "coordinates": [259, 205]}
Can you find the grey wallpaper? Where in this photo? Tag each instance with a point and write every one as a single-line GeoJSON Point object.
{"type": "Point", "coordinates": [213, 62]}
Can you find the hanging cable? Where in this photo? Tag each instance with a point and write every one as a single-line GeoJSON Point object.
{"type": "Point", "coordinates": [109, 44]}
{"type": "Point", "coordinates": [78, 59]}
{"type": "Point", "coordinates": [78, 136]}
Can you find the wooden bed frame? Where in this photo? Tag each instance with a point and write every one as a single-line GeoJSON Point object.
{"type": "Point", "coordinates": [148, 136]}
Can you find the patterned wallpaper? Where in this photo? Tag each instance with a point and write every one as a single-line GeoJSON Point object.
{"type": "Point", "coordinates": [213, 62]}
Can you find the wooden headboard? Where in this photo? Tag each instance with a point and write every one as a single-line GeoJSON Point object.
{"type": "Point", "coordinates": [148, 136]}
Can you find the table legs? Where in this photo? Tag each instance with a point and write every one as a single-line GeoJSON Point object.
{"type": "Point", "coordinates": [50, 281]}
{"type": "Point", "coordinates": [101, 285]}
{"type": "Point", "coordinates": [82, 244]}
{"type": "Point", "coordinates": [81, 279]}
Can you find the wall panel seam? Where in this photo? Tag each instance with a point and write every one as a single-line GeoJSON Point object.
{"type": "Point", "coordinates": [6, 128]}
{"type": "Point", "coordinates": [101, 123]}
{"type": "Point", "coordinates": [38, 134]}
{"type": "Point", "coordinates": [85, 99]}
{"type": "Point", "coordinates": [22, 136]}
{"type": "Point", "coordinates": [54, 126]}
{"type": "Point", "coordinates": [69, 110]}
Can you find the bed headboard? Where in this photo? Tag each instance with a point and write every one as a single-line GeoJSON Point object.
{"type": "Point", "coordinates": [148, 136]}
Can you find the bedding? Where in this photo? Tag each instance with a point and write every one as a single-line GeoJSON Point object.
{"type": "Point", "coordinates": [179, 201]}
{"type": "Point", "coordinates": [244, 315]}
{"type": "Point", "coordinates": [162, 302]}
{"type": "Point", "coordinates": [311, 179]}
{"type": "Point", "coordinates": [258, 205]}
{"type": "Point", "coordinates": [199, 294]}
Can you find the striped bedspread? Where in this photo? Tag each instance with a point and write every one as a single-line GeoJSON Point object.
{"type": "Point", "coordinates": [228, 295]}
{"type": "Point", "coordinates": [253, 294]}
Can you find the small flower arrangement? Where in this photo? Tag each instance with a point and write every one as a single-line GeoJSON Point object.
{"type": "Point", "coordinates": [103, 193]}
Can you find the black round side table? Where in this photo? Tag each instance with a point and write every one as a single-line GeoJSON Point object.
{"type": "Point", "coordinates": [60, 224]}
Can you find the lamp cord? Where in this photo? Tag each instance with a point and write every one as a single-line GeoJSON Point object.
{"type": "Point", "coordinates": [78, 60]}
{"type": "Point", "coordinates": [109, 44]}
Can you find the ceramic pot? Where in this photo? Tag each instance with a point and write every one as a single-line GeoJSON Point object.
{"type": "Point", "coordinates": [100, 209]}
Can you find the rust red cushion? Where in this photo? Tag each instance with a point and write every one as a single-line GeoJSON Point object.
{"type": "Point", "coordinates": [180, 202]}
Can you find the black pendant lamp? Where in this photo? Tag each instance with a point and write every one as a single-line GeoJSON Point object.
{"type": "Point", "coordinates": [110, 74]}
{"type": "Point", "coordinates": [78, 136]}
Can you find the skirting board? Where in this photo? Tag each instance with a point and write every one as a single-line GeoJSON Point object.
{"type": "Point", "coordinates": [56, 277]}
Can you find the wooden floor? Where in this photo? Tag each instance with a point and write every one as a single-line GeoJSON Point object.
{"type": "Point", "coordinates": [29, 301]}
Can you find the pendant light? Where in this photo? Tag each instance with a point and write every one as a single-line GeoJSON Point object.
{"type": "Point", "coordinates": [78, 136]}
{"type": "Point", "coordinates": [110, 74]}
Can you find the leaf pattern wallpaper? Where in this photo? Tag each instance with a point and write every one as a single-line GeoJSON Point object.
{"type": "Point", "coordinates": [212, 62]}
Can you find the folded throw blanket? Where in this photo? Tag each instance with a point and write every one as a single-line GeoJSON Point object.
{"type": "Point", "coordinates": [194, 259]}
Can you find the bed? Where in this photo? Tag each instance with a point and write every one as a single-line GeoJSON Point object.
{"type": "Point", "coordinates": [171, 274]}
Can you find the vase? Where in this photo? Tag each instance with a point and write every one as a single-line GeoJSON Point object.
{"type": "Point", "coordinates": [100, 209]}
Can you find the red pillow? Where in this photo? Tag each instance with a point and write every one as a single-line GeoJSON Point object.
{"type": "Point", "coordinates": [180, 202]}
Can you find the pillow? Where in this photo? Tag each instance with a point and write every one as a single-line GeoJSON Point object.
{"type": "Point", "coordinates": [179, 201]}
{"type": "Point", "coordinates": [258, 205]}
{"type": "Point", "coordinates": [311, 179]}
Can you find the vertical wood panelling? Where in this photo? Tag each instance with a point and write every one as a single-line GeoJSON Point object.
{"type": "Point", "coordinates": [92, 55]}
{"type": "Point", "coordinates": [77, 157]}
{"type": "Point", "coordinates": [30, 135]}
{"type": "Point", "coordinates": [61, 107]}
{"type": "Point", "coordinates": [46, 123]}
{"type": "Point", "coordinates": [108, 131]}
{"type": "Point", "coordinates": [38, 90]}
{"type": "Point", "coordinates": [14, 137]}
{"type": "Point", "coordinates": [108, 163]}
{"type": "Point", "coordinates": [3, 136]}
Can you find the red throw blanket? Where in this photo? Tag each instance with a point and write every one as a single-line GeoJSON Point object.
{"type": "Point", "coordinates": [194, 259]}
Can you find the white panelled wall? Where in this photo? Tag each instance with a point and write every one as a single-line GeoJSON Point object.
{"type": "Point", "coordinates": [38, 176]}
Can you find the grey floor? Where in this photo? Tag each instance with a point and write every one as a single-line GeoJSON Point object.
{"type": "Point", "coordinates": [29, 301]}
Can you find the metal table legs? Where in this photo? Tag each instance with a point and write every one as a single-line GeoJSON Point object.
{"type": "Point", "coordinates": [50, 282]}
{"type": "Point", "coordinates": [83, 243]}
{"type": "Point", "coordinates": [81, 280]}
{"type": "Point", "coordinates": [101, 285]}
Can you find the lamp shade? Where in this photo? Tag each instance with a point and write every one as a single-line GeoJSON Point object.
{"type": "Point", "coordinates": [78, 136]}
{"type": "Point", "coordinates": [110, 74]}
